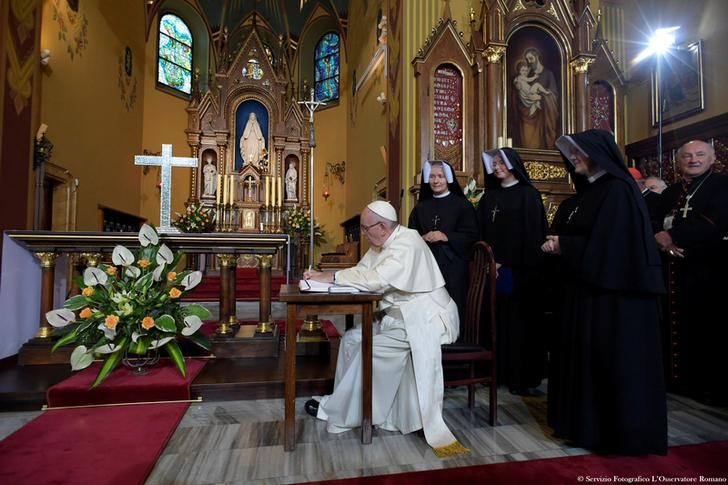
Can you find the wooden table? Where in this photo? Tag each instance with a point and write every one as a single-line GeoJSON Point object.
{"type": "Point", "coordinates": [302, 304]}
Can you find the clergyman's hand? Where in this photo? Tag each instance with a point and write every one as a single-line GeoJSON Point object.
{"type": "Point", "coordinates": [435, 236]}
{"type": "Point", "coordinates": [551, 246]}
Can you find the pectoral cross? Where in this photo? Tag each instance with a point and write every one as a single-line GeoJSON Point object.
{"type": "Point", "coordinates": [166, 161]}
{"type": "Point", "coordinates": [435, 221]}
{"type": "Point", "coordinates": [686, 208]}
{"type": "Point", "coordinates": [576, 209]}
{"type": "Point", "coordinates": [493, 213]}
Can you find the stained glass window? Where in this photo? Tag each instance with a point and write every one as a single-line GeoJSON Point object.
{"type": "Point", "coordinates": [174, 64]}
{"type": "Point", "coordinates": [326, 66]}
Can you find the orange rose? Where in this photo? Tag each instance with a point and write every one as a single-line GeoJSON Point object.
{"type": "Point", "coordinates": [111, 270]}
{"type": "Point", "coordinates": [143, 263]}
{"type": "Point", "coordinates": [86, 313]}
{"type": "Point", "coordinates": [147, 323]}
{"type": "Point", "coordinates": [111, 321]}
{"type": "Point", "coordinates": [171, 276]}
{"type": "Point", "coordinates": [88, 291]}
{"type": "Point", "coordinates": [174, 293]}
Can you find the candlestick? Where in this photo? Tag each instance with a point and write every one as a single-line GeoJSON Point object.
{"type": "Point", "coordinates": [280, 191]}
{"type": "Point", "coordinates": [267, 190]}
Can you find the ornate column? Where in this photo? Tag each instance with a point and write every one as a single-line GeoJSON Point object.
{"type": "Point", "coordinates": [48, 271]}
{"type": "Point", "coordinates": [78, 262]}
{"type": "Point", "coordinates": [193, 140]}
{"type": "Point", "coordinates": [493, 53]}
{"type": "Point", "coordinates": [580, 65]}
{"type": "Point", "coordinates": [227, 262]}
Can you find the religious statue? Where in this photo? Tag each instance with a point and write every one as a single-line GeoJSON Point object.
{"type": "Point", "coordinates": [209, 175]}
{"type": "Point", "coordinates": [291, 181]}
{"type": "Point", "coordinates": [252, 143]}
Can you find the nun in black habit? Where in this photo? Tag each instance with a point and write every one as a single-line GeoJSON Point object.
{"type": "Point", "coordinates": [606, 384]}
{"type": "Point", "coordinates": [513, 222]}
{"type": "Point", "coordinates": [446, 221]}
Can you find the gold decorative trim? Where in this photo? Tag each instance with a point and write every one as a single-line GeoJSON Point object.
{"type": "Point", "coordinates": [519, 6]}
{"type": "Point", "coordinates": [581, 64]}
{"type": "Point", "coordinates": [552, 11]}
{"type": "Point", "coordinates": [92, 259]}
{"type": "Point", "coordinates": [494, 53]}
{"type": "Point", "coordinates": [47, 260]}
{"type": "Point", "coordinates": [226, 260]}
{"type": "Point", "coordinates": [265, 260]}
{"type": "Point", "coordinates": [545, 171]}
{"type": "Point", "coordinates": [44, 332]}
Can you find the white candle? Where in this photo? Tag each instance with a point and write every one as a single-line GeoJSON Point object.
{"type": "Point", "coordinates": [272, 191]}
{"type": "Point", "coordinates": [217, 192]}
{"type": "Point", "coordinates": [499, 143]}
{"type": "Point", "coordinates": [267, 190]}
{"type": "Point", "coordinates": [280, 191]}
{"type": "Point", "coordinates": [509, 142]}
{"type": "Point", "coordinates": [232, 189]}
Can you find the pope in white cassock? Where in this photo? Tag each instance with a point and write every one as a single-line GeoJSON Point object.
{"type": "Point", "coordinates": [418, 317]}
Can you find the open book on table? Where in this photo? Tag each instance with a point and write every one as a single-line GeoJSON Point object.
{"type": "Point", "coordinates": [319, 287]}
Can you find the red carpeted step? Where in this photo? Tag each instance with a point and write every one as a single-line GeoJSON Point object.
{"type": "Point", "coordinates": [247, 286]}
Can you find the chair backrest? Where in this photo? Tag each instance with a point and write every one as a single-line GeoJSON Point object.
{"type": "Point", "coordinates": [481, 291]}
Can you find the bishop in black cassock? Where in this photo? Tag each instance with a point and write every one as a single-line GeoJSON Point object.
{"type": "Point", "coordinates": [606, 385]}
{"type": "Point", "coordinates": [513, 222]}
{"type": "Point", "coordinates": [446, 221]}
{"type": "Point", "coordinates": [695, 244]}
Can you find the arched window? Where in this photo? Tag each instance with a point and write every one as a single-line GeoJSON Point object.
{"type": "Point", "coordinates": [326, 66]}
{"type": "Point", "coordinates": [174, 58]}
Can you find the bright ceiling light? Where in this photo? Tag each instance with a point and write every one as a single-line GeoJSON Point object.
{"type": "Point", "coordinates": [660, 42]}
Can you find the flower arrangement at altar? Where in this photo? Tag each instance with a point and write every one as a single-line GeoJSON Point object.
{"type": "Point", "coordinates": [472, 193]}
{"type": "Point", "coordinates": [297, 223]}
{"type": "Point", "coordinates": [196, 218]}
{"type": "Point", "coordinates": [131, 307]}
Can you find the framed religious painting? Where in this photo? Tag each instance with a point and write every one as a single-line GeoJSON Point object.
{"type": "Point", "coordinates": [534, 89]}
{"type": "Point", "coordinates": [681, 86]}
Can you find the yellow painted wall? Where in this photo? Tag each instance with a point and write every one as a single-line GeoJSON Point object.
{"type": "Point", "coordinates": [367, 123]}
{"type": "Point", "coordinates": [700, 19]}
{"type": "Point", "coordinates": [165, 121]}
{"type": "Point", "coordinates": [95, 137]}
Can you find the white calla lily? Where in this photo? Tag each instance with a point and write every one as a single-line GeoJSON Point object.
{"type": "Point", "coordinates": [160, 343]}
{"type": "Point", "coordinates": [122, 256]}
{"type": "Point", "coordinates": [135, 336]}
{"type": "Point", "coordinates": [157, 275]}
{"type": "Point", "coordinates": [147, 235]}
{"type": "Point", "coordinates": [191, 280]}
{"type": "Point", "coordinates": [109, 348]}
{"type": "Point", "coordinates": [94, 276]}
{"type": "Point", "coordinates": [132, 271]}
{"type": "Point", "coordinates": [164, 255]}
{"type": "Point", "coordinates": [109, 333]}
{"type": "Point", "coordinates": [81, 358]}
{"type": "Point", "coordinates": [192, 324]}
{"type": "Point", "coordinates": [61, 317]}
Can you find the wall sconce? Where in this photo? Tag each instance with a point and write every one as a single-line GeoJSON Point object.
{"type": "Point", "coordinates": [338, 170]}
{"type": "Point", "coordinates": [45, 56]}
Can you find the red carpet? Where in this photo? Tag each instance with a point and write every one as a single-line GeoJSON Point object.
{"type": "Point", "coordinates": [109, 445]}
{"type": "Point", "coordinates": [686, 462]}
{"type": "Point", "coordinates": [162, 383]}
{"type": "Point", "coordinates": [247, 286]}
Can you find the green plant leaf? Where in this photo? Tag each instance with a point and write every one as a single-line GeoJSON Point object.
{"type": "Point", "coordinates": [176, 354]}
{"type": "Point", "coordinates": [81, 358]}
{"type": "Point", "coordinates": [76, 302]}
{"type": "Point", "coordinates": [69, 338]}
{"type": "Point", "coordinates": [145, 282]}
{"type": "Point", "coordinates": [166, 323]}
{"type": "Point", "coordinates": [139, 347]}
{"type": "Point", "coordinates": [111, 362]}
{"type": "Point", "coordinates": [199, 339]}
{"type": "Point", "coordinates": [198, 310]}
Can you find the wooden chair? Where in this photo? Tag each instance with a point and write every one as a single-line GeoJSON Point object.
{"type": "Point", "coordinates": [472, 359]}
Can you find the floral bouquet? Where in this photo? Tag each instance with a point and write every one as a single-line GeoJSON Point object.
{"type": "Point", "coordinates": [297, 223]}
{"type": "Point", "coordinates": [195, 219]}
{"type": "Point", "coordinates": [131, 307]}
{"type": "Point", "coordinates": [472, 193]}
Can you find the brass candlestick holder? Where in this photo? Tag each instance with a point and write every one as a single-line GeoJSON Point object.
{"type": "Point", "coordinates": [265, 327]}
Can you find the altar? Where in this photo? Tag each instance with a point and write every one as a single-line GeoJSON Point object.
{"type": "Point", "coordinates": [81, 249]}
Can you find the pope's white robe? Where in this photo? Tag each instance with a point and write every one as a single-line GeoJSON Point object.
{"type": "Point", "coordinates": [407, 387]}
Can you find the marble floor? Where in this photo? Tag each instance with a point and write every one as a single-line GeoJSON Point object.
{"type": "Point", "coordinates": [235, 442]}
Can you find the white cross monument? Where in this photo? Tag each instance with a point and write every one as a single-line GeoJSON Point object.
{"type": "Point", "coordinates": [166, 161]}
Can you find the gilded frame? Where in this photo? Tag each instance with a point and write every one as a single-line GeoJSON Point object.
{"type": "Point", "coordinates": [681, 84]}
